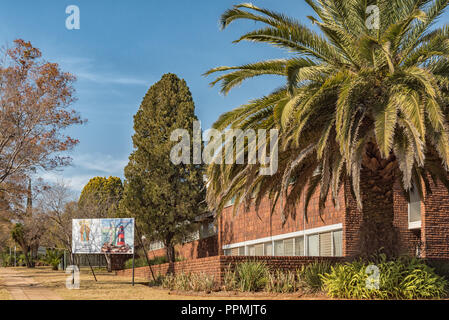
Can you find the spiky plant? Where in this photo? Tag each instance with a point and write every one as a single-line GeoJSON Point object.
{"type": "Point", "coordinates": [358, 103]}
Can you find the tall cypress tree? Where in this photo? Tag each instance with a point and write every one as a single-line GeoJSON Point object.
{"type": "Point", "coordinates": [164, 198]}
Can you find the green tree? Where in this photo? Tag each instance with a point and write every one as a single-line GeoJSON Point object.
{"type": "Point", "coordinates": [101, 197]}
{"type": "Point", "coordinates": [164, 198]}
{"type": "Point", "coordinates": [361, 108]}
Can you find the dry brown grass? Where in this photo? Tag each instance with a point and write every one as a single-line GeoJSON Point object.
{"type": "Point", "coordinates": [4, 294]}
{"type": "Point", "coordinates": [112, 287]}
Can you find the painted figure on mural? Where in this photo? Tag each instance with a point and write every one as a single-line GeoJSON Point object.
{"type": "Point", "coordinates": [84, 231]}
{"type": "Point", "coordinates": [121, 236]}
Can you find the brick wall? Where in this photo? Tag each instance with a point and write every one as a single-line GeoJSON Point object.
{"type": "Point", "coordinates": [408, 239]}
{"type": "Point", "coordinates": [253, 225]}
{"type": "Point", "coordinates": [435, 223]}
{"type": "Point", "coordinates": [218, 265]}
{"type": "Point", "coordinates": [202, 248]}
{"type": "Point", "coordinates": [210, 265]}
{"type": "Point", "coordinates": [118, 260]}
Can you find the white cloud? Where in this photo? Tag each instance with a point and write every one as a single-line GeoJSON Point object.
{"type": "Point", "coordinates": [75, 183]}
{"type": "Point", "coordinates": [84, 167]}
{"type": "Point", "coordinates": [99, 162]}
{"type": "Point", "coordinates": [84, 69]}
{"type": "Point", "coordinates": [109, 79]}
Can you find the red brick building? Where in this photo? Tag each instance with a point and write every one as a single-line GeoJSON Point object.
{"type": "Point", "coordinates": [421, 226]}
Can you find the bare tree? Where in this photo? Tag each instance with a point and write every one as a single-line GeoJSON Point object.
{"type": "Point", "coordinates": [35, 97]}
{"type": "Point", "coordinates": [58, 202]}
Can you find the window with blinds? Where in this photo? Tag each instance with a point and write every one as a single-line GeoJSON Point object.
{"type": "Point", "coordinates": [279, 248]}
{"type": "Point", "coordinates": [338, 243]}
{"type": "Point", "coordinates": [268, 249]}
{"type": "Point", "coordinates": [258, 249]}
{"type": "Point", "coordinates": [313, 245]}
{"type": "Point", "coordinates": [289, 247]}
{"type": "Point", "coordinates": [325, 244]}
{"type": "Point", "coordinates": [414, 207]}
{"type": "Point", "coordinates": [299, 246]}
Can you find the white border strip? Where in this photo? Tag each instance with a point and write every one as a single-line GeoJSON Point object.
{"type": "Point", "coordinates": [334, 227]}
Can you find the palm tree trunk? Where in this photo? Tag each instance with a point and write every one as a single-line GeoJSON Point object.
{"type": "Point", "coordinates": [377, 230]}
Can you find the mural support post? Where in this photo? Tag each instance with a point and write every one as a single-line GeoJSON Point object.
{"type": "Point", "coordinates": [91, 269]}
{"type": "Point", "coordinates": [144, 251]}
{"type": "Point", "coordinates": [133, 267]}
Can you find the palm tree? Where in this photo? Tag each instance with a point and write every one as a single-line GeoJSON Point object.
{"type": "Point", "coordinates": [361, 108]}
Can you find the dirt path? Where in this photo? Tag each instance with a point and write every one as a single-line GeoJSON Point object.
{"type": "Point", "coordinates": [22, 286]}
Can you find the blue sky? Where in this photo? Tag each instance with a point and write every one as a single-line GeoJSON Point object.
{"type": "Point", "coordinates": [122, 48]}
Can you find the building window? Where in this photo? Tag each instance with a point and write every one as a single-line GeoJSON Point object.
{"type": "Point", "coordinates": [279, 248]}
{"type": "Point", "coordinates": [258, 249]}
{"type": "Point", "coordinates": [299, 246]}
{"type": "Point", "coordinates": [338, 243]}
{"type": "Point", "coordinates": [414, 208]}
{"type": "Point", "coordinates": [289, 247]}
{"type": "Point", "coordinates": [230, 202]}
{"type": "Point", "coordinates": [156, 245]}
{"type": "Point", "coordinates": [313, 245]}
{"type": "Point", "coordinates": [207, 229]}
{"type": "Point", "coordinates": [268, 249]}
{"type": "Point", "coordinates": [326, 244]}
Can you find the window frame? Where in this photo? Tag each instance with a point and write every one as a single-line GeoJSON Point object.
{"type": "Point", "coordinates": [413, 225]}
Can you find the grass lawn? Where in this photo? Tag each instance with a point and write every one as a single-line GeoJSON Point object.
{"type": "Point", "coordinates": [112, 287]}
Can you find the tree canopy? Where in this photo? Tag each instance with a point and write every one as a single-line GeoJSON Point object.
{"type": "Point", "coordinates": [101, 197]}
{"type": "Point", "coordinates": [165, 198]}
{"type": "Point", "coordinates": [350, 92]}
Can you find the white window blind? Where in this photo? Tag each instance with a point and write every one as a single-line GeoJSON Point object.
{"type": "Point", "coordinates": [415, 205]}
{"type": "Point", "coordinates": [326, 244]}
{"type": "Point", "coordinates": [299, 246]}
{"type": "Point", "coordinates": [338, 243]}
{"type": "Point", "coordinates": [258, 249]}
{"type": "Point", "coordinates": [313, 245]}
{"type": "Point", "coordinates": [268, 249]}
{"type": "Point", "coordinates": [279, 248]}
{"type": "Point", "coordinates": [288, 247]}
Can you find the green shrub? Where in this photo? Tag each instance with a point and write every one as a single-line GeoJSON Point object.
{"type": "Point", "coordinates": [309, 276]}
{"type": "Point", "coordinates": [403, 278]}
{"type": "Point", "coordinates": [159, 279]}
{"type": "Point", "coordinates": [230, 280]}
{"type": "Point", "coordinates": [53, 258]}
{"type": "Point", "coordinates": [251, 276]}
{"type": "Point", "coordinates": [21, 260]}
{"type": "Point", "coordinates": [7, 260]}
{"type": "Point", "coordinates": [282, 282]}
{"type": "Point", "coordinates": [441, 267]}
